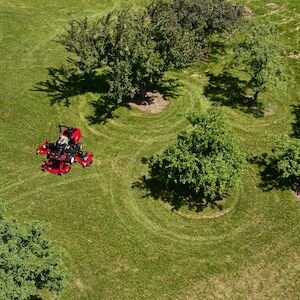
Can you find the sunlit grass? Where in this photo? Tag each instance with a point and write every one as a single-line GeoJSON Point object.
{"type": "Point", "coordinates": [120, 244]}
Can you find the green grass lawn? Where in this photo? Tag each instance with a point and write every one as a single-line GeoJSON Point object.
{"type": "Point", "coordinates": [119, 243]}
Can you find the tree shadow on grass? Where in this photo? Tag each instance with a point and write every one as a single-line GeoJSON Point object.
{"type": "Point", "coordinates": [216, 50]}
{"type": "Point", "coordinates": [270, 179]}
{"type": "Point", "coordinates": [104, 107]}
{"type": "Point", "coordinates": [35, 297]}
{"type": "Point", "coordinates": [296, 123]}
{"type": "Point", "coordinates": [168, 88]}
{"type": "Point", "coordinates": [63, 84]}
{"type": "Point", "coordinates": [177, 197]}
{"type": "Point", "coordinates": [230, 91]}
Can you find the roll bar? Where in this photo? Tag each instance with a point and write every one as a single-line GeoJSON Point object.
{"type": "Point", "coordinates": [63, 126]}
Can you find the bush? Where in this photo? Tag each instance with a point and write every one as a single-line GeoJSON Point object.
{"type": "Point", "coordinates": [258, 53]}
{"type": "Point", "coordinates": [286, 160]}
{"type": "Point", "coordinates": [205, 162]}
{"type": "Point", "coordinates": [147, 43]}
{"type": "Point", "coordinates": [28, 262]}
{"type": "Point", "coordinates": [182, 28]}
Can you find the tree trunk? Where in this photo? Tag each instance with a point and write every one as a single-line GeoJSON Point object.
{"type": "Point", "coordinates": [255, 96]}
{"type": "Point", "coordinates": [143, 91]}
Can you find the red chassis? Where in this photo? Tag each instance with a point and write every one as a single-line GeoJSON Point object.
{"type": "Point", "coordinates": [64, 152]}
{"type": "Point", "coordinates": [44, 148]}
{"type": "Point", "coordinates": [55, 166]}
{"type": "Point", "coordinates": [85, 159]}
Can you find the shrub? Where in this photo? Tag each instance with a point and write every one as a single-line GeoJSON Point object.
{"type": "Point", "coordinates": [204, 163]}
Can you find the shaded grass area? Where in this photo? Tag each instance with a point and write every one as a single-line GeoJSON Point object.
{"type": "Point", "coordinates": [120, 245]}
{"type": "Point", "coordinates": [63, 84]}
{"type": "Point", "coordinates": [296, 122]}
{"type": "Point", "coordinates": [270, 179]}
{"type": "Point", "coordinates": [225, 89]}
{"type": "Point", "coordinates": [178, 200]}
{"type": "Point", "coordinates": [104, 109]}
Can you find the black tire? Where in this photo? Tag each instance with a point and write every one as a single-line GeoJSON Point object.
{"type": "Point", "coordinates": [70, 160]}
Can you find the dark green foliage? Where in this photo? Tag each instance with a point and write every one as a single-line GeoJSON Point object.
{"type": "Point", "coordinates": [205, 162]}
{"type": "Point", "coordinates": [121, 41]}
{"type": "Point", "coordinates": [286, 160]}
{"type": "Point", "coordinates": [140, 46]}
{"type": "Point", "coordinates": [182, 28]}
{"type": "Point", "coordinates": [80, 39]}
{"type": "Point", "coordinates": [281, 169]}
{"type": "Point", "coordinates": [28, 262]}
{"type": "Point", "coordinates": [131, 51]}
{"type": "Point", "coordinates": [258, 53]}
{"type": "Point", "coordinates": [120, 85]}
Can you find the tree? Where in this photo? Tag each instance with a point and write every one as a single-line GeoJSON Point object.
{"type": "Point", "coordinates": [81, 40]}
{"type": "Point", "coordinates": [204, 163]}
{"type": "Point", "coordinates": [286, 160]}
{"type": "Point", "coordinates": [28, 262]}
{"type": "Point", "coordinates": [182, 28]}
{"type": "Point", "coordinates": [131, 45]}
{"type": "Point", "coordinates": [121, 41]}
{"type": "Point", "coordinates": [140, 46]}
{"type": "Point", "coordinates": [258, 53]}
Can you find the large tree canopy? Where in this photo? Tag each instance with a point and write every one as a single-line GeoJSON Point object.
{"type": "Point", "coordinates": [205, 162]}
{"type": "Point", "coordinates": [286, 159]}
{"type": "Point", "coordinates": [28, 262]}
{"type": "Point", "coordinates": [258, 53]}
{"type": "Point", "coordinates": [182, 28]}
{"type": "Point", "coordinates": [140, 46]}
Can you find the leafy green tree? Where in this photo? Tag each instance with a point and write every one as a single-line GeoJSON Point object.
{"type": "Point", "coordinates": [131, 45]}
{"type": "Point", "coordinates": [286, 160]}
{"type": "Point", "coordinates": [140, 46]}
{"type": "Point", "coordinates": [258, 53]}
{"type": "Point", "coordinates": [81, 40]}
{"type": "Point", "coordinates": [205, 162]}
{"type": "Point", "coordinates": [182, 28]}
{"type": "Point", "coordinates": [121, 41]}
{"type": "Point", "coordinates": [120, 85]}
{"type": "Point", "coordinates": [28, 262]}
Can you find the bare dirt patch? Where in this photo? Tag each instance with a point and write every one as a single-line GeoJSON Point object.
{"type": "Point", "coordinates": [269, 111]}
{"type": "Point", "coordinates": [247, 11]}
{"type": "Point", "coordinates": [297, 196]}
{"type": "Point", "coordinates": [296, 191]}
{"type": "Point", "coordinates": [79, 284]}
{"type": "Point", "coordinates": [154, 103]}
{"type": "Point", "coordinates": [295, 55]}
{"type": "Point", "coordinates": [272, 5]}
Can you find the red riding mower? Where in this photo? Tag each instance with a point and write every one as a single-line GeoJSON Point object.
{"type": "Point", "coordinates": [64, 152]}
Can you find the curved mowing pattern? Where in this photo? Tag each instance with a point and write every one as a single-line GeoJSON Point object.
{"type": "Point", "coordinates": [120, 243]}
